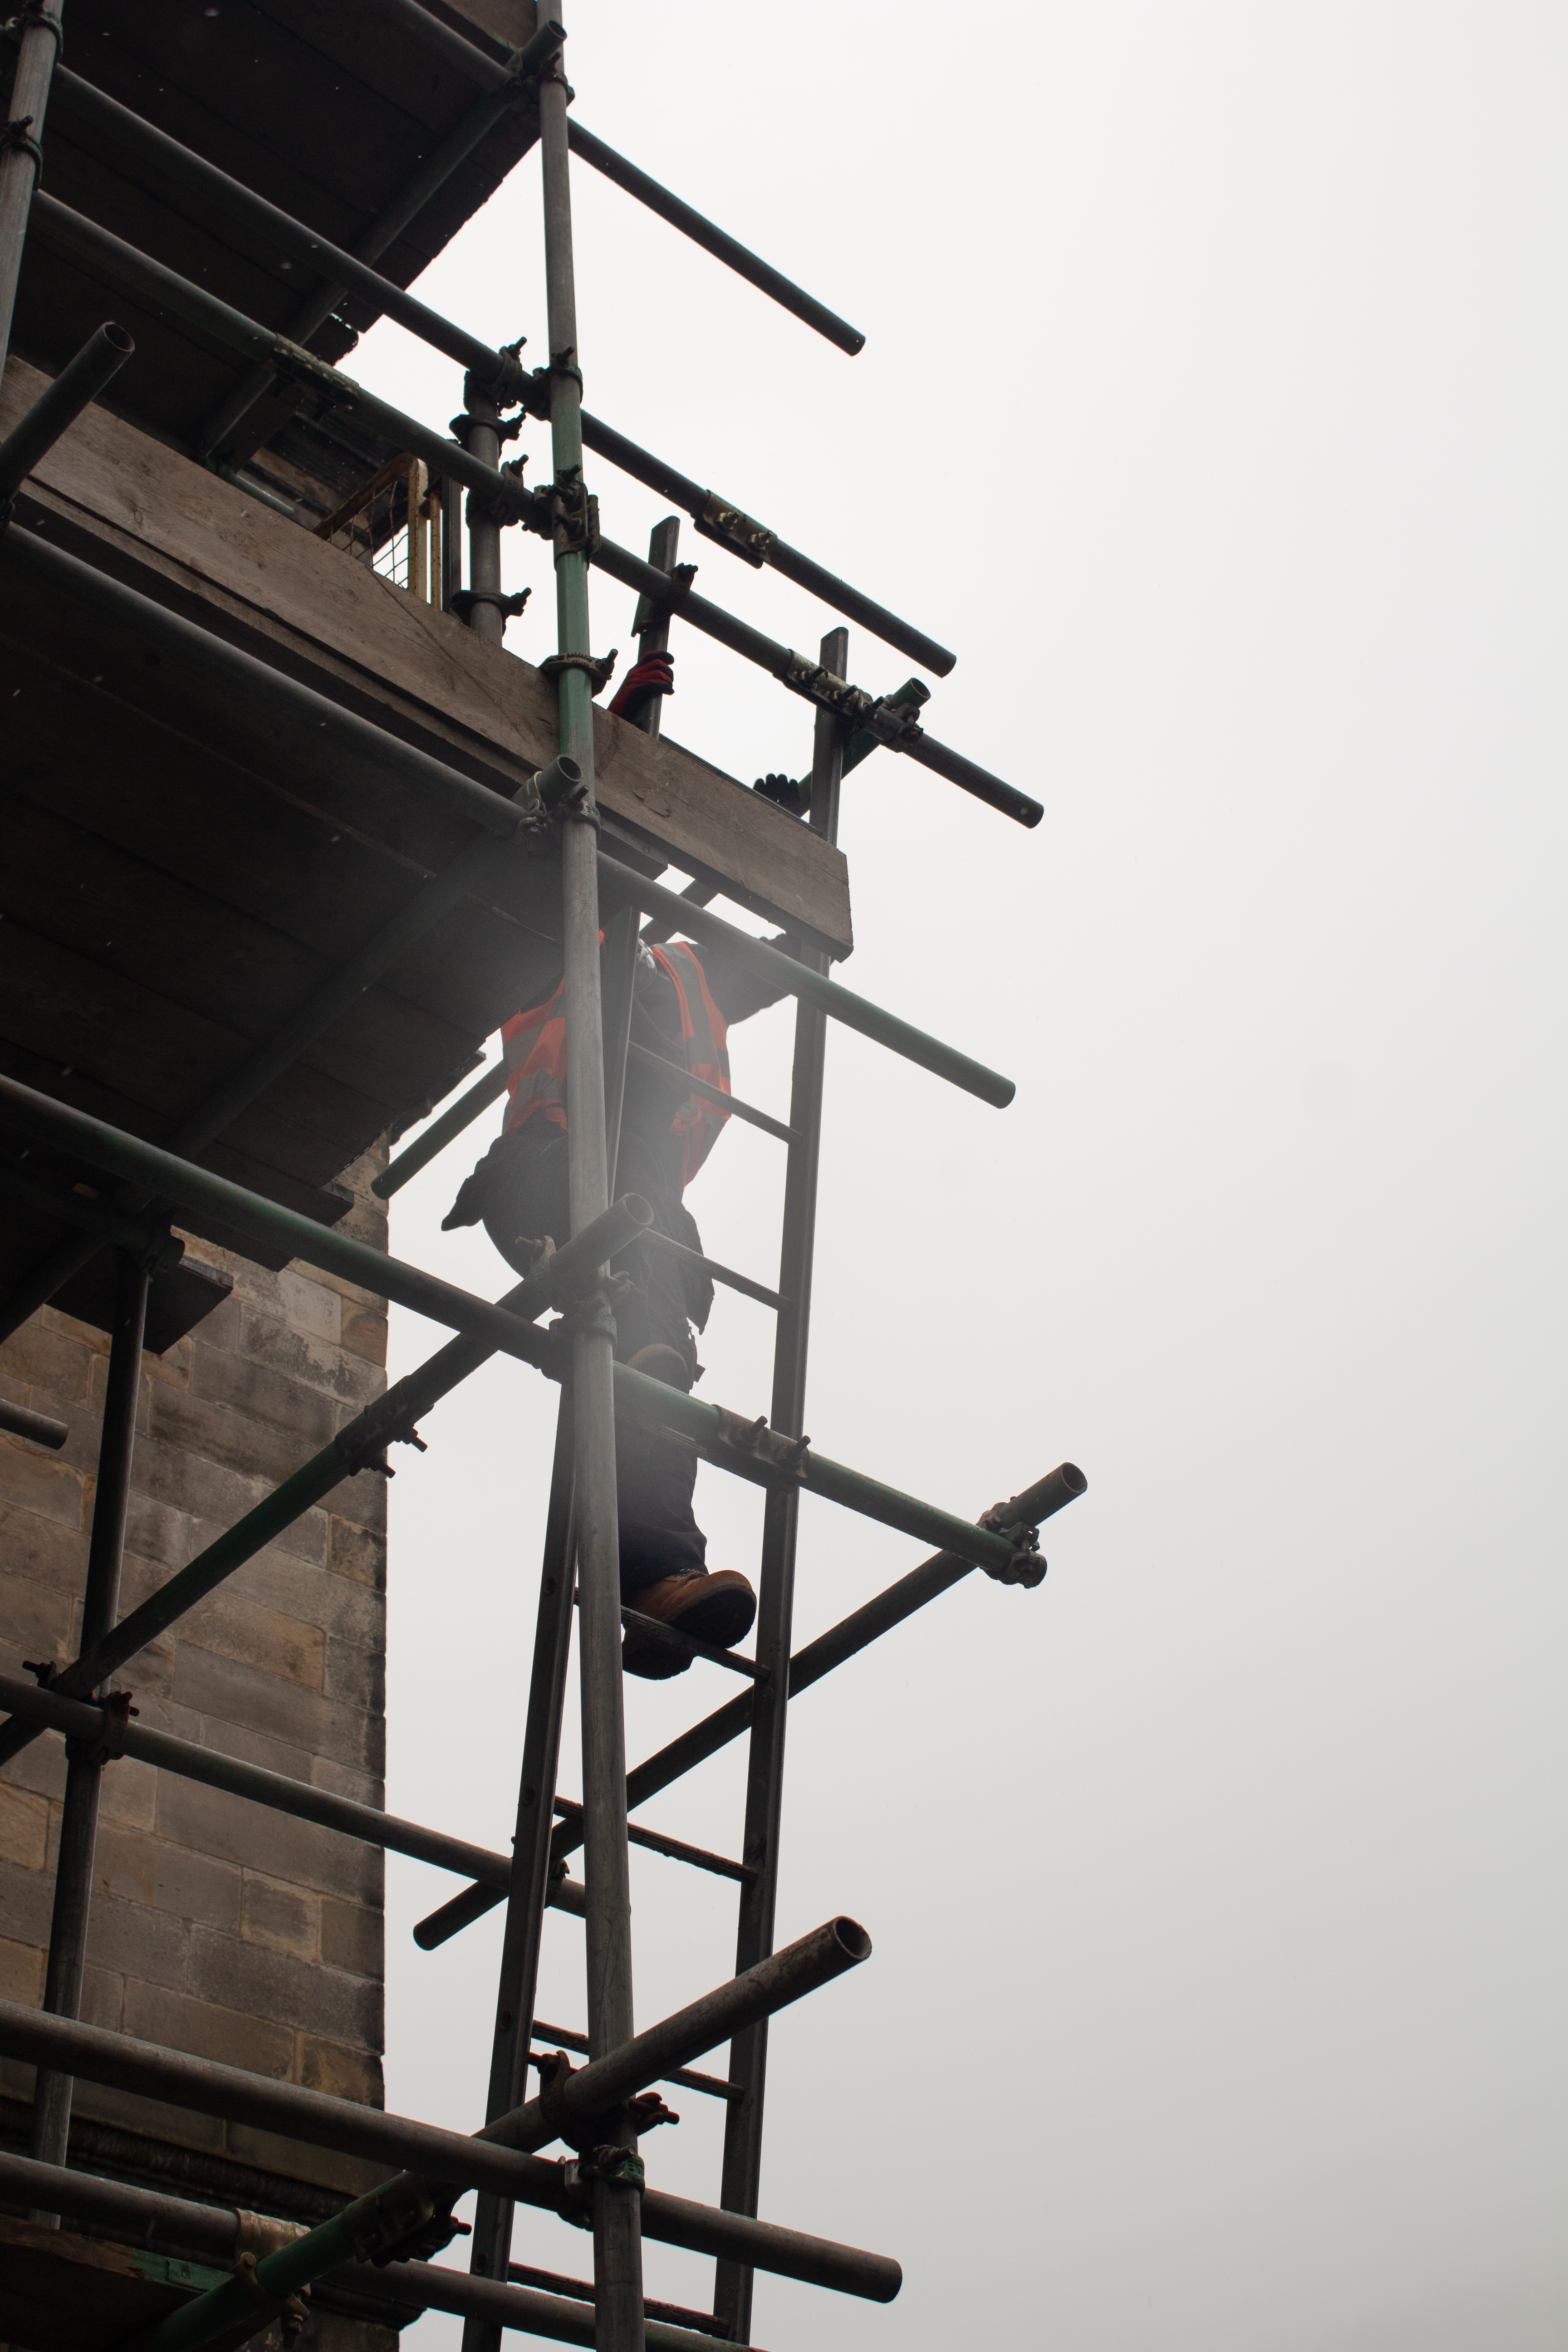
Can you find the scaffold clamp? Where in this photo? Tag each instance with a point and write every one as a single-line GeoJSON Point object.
{"type": "Point", "coordinates": [769, 1446]}
{"type": "Point", "coordinates": [115, 1712]}
{"type": "Point", "coordinates": [15, 138]}
{"type": "Point", "coordinates": [574, 517]}
{"type": "Point", "coordinates": [753, 542]}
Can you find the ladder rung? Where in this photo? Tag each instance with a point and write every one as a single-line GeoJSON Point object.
{"type": "Point", "coordinates": [656, 1843]}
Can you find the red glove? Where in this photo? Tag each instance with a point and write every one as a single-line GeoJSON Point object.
{"type": "Point", "coordinates": [653, 674]}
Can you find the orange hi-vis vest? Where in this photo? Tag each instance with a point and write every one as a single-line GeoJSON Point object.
{"type": "Point", "coordinates": [534, 1047]}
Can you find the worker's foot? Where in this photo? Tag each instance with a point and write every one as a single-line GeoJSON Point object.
{"type": "Point", "coordinates": [662, 1362]}
{"type": "Point", "coordinates": [718, 1609]}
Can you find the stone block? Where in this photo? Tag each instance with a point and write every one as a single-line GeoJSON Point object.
{"type": "Point", "coordinates": [26, 1899]}
{"type": "Point", "coordinates": [38, 1619]}
{"type": "Point", "coordinates": [222, 1434]}
{"type": "Point", "coordinates": [283, 1917]}
{"type": "Point", "coordinates": [155, 1871]}
{"type": "Point", "coordinates": [40, 1767]}
{"type": "Point", "coordinates": [211, 1822]}
{"type": "Point", "coordinates": [354, 1937]}
{"type": "Point", "coordinates": [79, 1452]}
{"type": "Point", "coordinates": [223, 1329]}
{"type": "Point", "coordinates": [24, 1827]}
{"type": "Point", "coordinates": [169, 1473]}
{"type": "Point", "coordinates": [307, 1415]}
{"type": "Point", "coordinates": [302, 1590]}
{"type": "Point", "coordinates": [34, 1480]}
{"type": "Point", "coordinates": [364, 1788]}
{"type": "Point", "coordinates": [41, 1549]}
{"type": "Point", "coordinates": [234, 1692]}
{"type": "Point", "coordinates": [58, 1359]}
{"type": "Point", "coordinates": [300, 1300]}
{"type": "Point", "coordinates": [361, 1501]}
{"type": "Point", "coordinates": [287, 1991]}
{"type": "Point", "coordinates": [156, 1713]}
{"type": "Point", "coordinates": [232, 1626]}
{"type": "Point", "coordinates": [102, 1999]}
{"type": "Point", "coordinates": [356, 1676]}
{"type": "Point", "coordinates": [337, 1372]}
{"type": "Point", "coordinates": [21, 1971]}
{"type": "Point", "coordinates": [136, 1941]}
{"type": "Point", "coordinates": [357, 1552]}
{"type": "Point", "coordinates": [172, 1367]}
{"type": "Point", "coordinates": [129, 1794]}
{"type": "Point", "coordinates": [210, 2028]}
{"type": "Point", "coordinates": [364, 1332]}
{"type": "Point", "coordinates": [158, 1533]}
{"type": "Point", "coordinates": [251, 1747]}
{"type": "Point", "coordinates": [341, 2072]}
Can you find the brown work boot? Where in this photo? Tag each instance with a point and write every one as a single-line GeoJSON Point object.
{"type": "Point", "coordinates": [718, 1609]}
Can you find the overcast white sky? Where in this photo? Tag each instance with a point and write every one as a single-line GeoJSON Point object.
{"type": "Point", "coordinates": [1213, 410]}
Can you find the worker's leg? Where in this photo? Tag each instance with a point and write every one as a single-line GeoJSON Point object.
{"type": "Point", "coordinates": [521, 1191]}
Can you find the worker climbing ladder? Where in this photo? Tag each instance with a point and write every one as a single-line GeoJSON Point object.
{"type": "Point", "coordinates": [534, 2097]}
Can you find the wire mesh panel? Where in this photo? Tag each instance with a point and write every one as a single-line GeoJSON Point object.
{"type": "Point", "coordinates": [393, 524]}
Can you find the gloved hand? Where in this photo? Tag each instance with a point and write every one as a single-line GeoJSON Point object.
{"type": "Point", "coordinates": [654, 675]}
{"type": "Point", "coordinates": [784, 792]}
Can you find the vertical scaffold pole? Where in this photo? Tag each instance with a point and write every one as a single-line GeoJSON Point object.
{"type": "Point", "coordinates": [620, 958]}
{"type": "Point", "coordinates": [37, 46]}
{"type": "Point", "coordinates": [84, 1769]}
{"type": "Point", "coordinates": [491, 2249]}
{"type": "Point", "coordinates": [776, 1599]}
{"type": "Point", "coordinates": [481, 438]}
{"type": "Point", "coordinates": [617, 2247]}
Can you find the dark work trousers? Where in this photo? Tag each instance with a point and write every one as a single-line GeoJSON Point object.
{"type": "Point", "coordinates": [520, 1190]}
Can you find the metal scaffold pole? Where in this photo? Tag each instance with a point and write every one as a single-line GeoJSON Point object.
{"type": "Point", "coordinates": [775, 1600]}
{"type": "Point", "coordinates": [38, 36]}
{"type": "Point", "coordinates": [491, 2248]}
{"type": "Point", "coordinates": [84, 1768]}
{"type": "Point", "coordinates": [617, 2246]}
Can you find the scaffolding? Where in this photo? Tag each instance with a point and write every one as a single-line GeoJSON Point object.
{"type": "Point", "coordinates": [405, 517]}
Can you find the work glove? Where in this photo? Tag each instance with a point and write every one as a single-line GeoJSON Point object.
{"type": "Point", "coordinates": [784, 792]}
{"type": "Point", "coordinates": [653, 674]}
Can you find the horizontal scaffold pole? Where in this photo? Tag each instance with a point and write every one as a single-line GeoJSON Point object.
{"type": "Point", "coordinates": [762, 1991]}
{"type": "Point", "coordinates": [254, 683]}
{"type": "Point", "coordinates": [163, 291]}
{"type": "Point", "coordinates": [829, 996]}
{"type": "Point", "coordinates": [217, 2235]}
{"type": "Point", "coordinates": [846, 1639]}
{"type": "Point", "coordinates": [38, 1428]}
{"type": "Point", "coordinates": [745, 1448]}
{"type": "Point", "coordinates": [94, 2054]}
{"type": "Point", "coordinates": [851, 1634]}
{"type": "Point", "coordinates": [361, 1440]}
{"type": "Point", "coordinates": [488, 72]}
{"type": "Point", "coordinates": [748, 1449]}
{"type": "Point", "coordinates": [633, 182]}
{"type": "Point", "coordinates": [162, 1250]}
{"type": "Point", "coordinates": [439, 164]}
{"type": "Point", "coordinates": [105, 1730]}
{"type": "Point", "coordinates": [500, 372]}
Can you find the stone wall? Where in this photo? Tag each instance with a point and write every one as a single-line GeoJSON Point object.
{"type": "Point", "coordinates": [218, 1926]}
